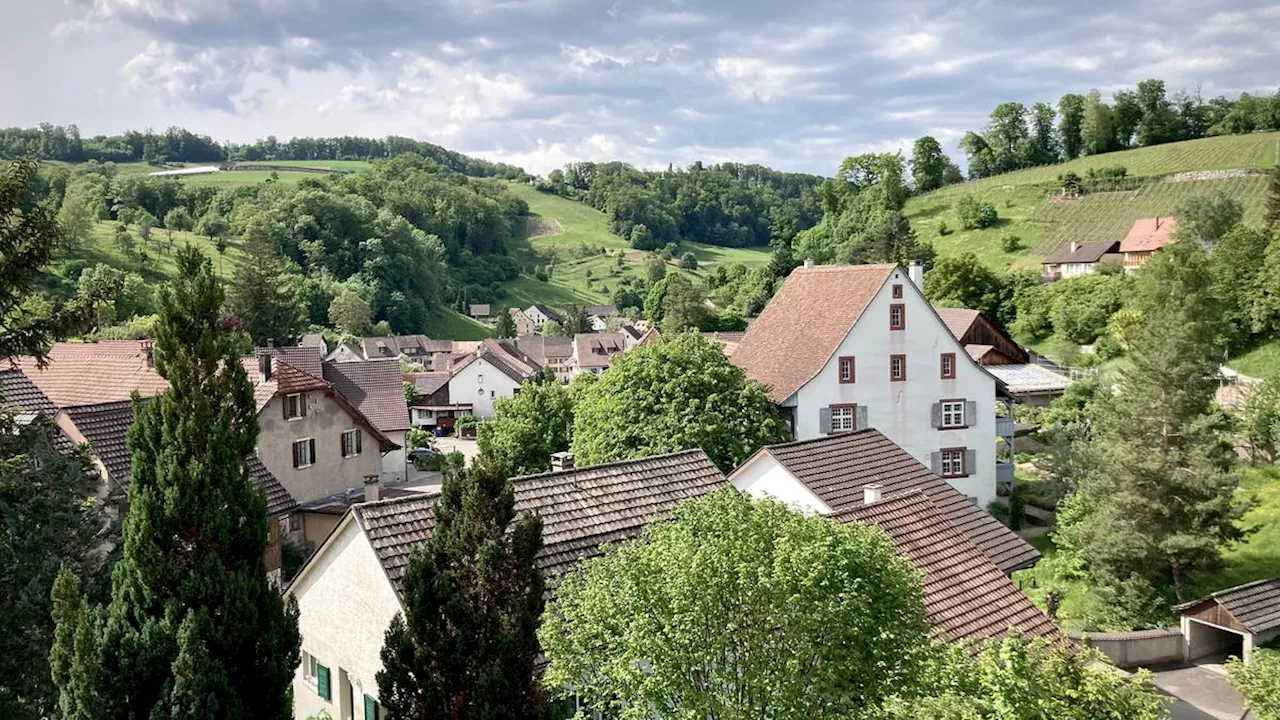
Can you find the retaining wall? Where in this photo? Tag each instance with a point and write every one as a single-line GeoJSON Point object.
{"type": "Point", "coordinates": [1138, 648]}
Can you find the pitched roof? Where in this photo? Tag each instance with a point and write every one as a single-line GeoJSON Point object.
{"type": "Point", "coordinates": [1256, 605]}
{"type": "Point", "coordinates": [394, 345]}
{"type": "Point", "coordinates": [835, 468]}
{"type": "Point", "coordinates": [598, 349]}
{"type": "Point", "coordinates": [580, 509]}
{"type": "Point", "coordinates": [106, 428]}
{"type": "Point", "coordinates": [375, 388]}
{"type": "Point", "coordinates": [958, 320]}
{"type": "Point", "coordinates": [312, 340]}
{"type": "Point", "coordinates": [540, 348]}
{"type": "Point", "coordinates": [826, 301]}
{"type": "Point", "coordinates": [85, 373]}
{"type": "Point", "coordinates": [480, 310]}
{"type": "Point", "coordinates": [966, 595]}
{"type": "Point", "coordinates": [1089, 252]}
{"type": "Point", "coordinates": [551, 314]}
{"type": "Point", "coordinates": [1149, 234]}
{"type": "Point", "coordinates": [428, 383]}
{"type": "Point", "coordinates": [504, 356]}
{"type": "Point", "coordinates": [306, 358]}
{"type": "Point", "coordinates": [17, 390]}
{"type": "Point", "coordinates": [601, 310]}
{"type": "Point", "coordinates": [727, 340]}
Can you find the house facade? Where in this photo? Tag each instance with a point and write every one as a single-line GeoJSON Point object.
{"type": "Point", "coordinates": [376, 389]}
{"type": "Point", "coordinates": [1077, 258]}
{"type": "Point", "coordinates": [524, 324]}
{"type": "Point", "coordinates": [493, 372]}
{"type": "Point", "coordinates": [539, 315]}
{"type": "Point", "coordinates": [594, 352]}
{"type": "Point", "coordinates": [1146, 238]}
{"type": "Point", "coordinates": [873, 353]}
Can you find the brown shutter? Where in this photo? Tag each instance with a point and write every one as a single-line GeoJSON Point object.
{"type": "Point", "coordinates": [311, 446]}
{"type": "Point", "coordinates": [296, 460]}
{"type": "Point", "coordinates": [302, 405]}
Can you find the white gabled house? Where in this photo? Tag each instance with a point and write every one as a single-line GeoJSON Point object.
{"type": "Point", "coordinates": [496, 370]}
{"type": "Point", "coordinates": [842, 348]}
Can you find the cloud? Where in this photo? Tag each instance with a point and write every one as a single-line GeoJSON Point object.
{"type": "Point", "coordinates": [746, 78]}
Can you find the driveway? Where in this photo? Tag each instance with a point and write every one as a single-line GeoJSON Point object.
{"type": "Point", "coordinates": [1202, 692]}
{"type": "Point", "coordinates": [451, 443]}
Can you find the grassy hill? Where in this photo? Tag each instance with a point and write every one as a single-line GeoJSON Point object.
{"type": "Point", "coordinates": [1028, 208]}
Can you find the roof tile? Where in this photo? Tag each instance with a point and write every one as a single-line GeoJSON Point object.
{"type": "Point", "coordinates": [376, 389]}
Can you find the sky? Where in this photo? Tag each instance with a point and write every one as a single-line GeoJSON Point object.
{"type": "Point", "coordinates": [793, 84]}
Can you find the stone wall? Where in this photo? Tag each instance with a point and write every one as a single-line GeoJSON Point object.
{"type": "Point", "coordinates": [1139, 648]}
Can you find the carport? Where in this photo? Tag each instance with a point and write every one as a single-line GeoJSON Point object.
{"type": "Point", "coordinates": [1232, 621]}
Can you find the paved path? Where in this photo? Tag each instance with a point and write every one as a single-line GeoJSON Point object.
{"type": "Point", "coordinates": [1202, 692]}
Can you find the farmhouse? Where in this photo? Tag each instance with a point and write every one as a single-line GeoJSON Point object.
{"type": "Point", "coordinates": [1146, 238]}
{"type": "Point", "coordinates": [495, 370]}
{"type": "Point", "coordinates": [1076, 259]}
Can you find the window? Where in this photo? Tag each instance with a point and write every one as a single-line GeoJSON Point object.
{"type": "Point", "coordinates": [295, 406]}
{"type": "Point", "coordinates": [304, 452]}
{"type": "Point", "coordinates": [351, 443]}
{"type": "Point", "coordinates": [948, 366]}
{"type": "Point", "coordinates": [308, 669]}
{"type": "Point", "coordinates": [897, 316]}
{"type": "Point", "coordinates": [897, 292]}
{"type": "Point", "coordinates": [480, 379]}
{"type": "Point", "coordinates": [846, 370]}
{"type": "Point", "coordinates": [953, 414]}
{"type": "Point", "coordinates": [844, 418]}
{"type": "Point", "coordinates": [953, 462]}
{"type": "Point", "coordinates": [897, 368]}
{"type": "Point", "coordinates": [293, 523]}
{"type": "Point", "coordinates": [480, 392]}
{"type": "Point", "coordinates": [322, 682]}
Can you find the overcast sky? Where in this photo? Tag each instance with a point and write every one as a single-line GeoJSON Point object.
{"type": "Point", "coordinates": [795, 84]}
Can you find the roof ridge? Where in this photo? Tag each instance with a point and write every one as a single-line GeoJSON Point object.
{"type": "Point", "coordinates": [538, 476]}
{"type": "Point", "coordinates": [825, 438]}
{"type": "Point", "coordinates": [848, 266]}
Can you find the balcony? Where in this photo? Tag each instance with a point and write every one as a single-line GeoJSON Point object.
{"type": "Point", "coordinates": [1004, 427]}
{"type": "Point", "coordinates": [1004, 474]}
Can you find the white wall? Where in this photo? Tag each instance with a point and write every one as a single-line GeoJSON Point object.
{"type": "Point", "coordinates": [1070, 270]}
{"type": "Point", "coordinates": [481, 384]}
{"type": "Point", "coordinates": [762, 476]}
{"type": "Point", "coordinates": [903, 410]}
{"type": "Point", "coordinates": [393, 463]}
{"type": "Point", "coordinates": [345, 604]}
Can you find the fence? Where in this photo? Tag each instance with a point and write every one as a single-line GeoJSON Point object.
{"type": "Point", "coordinates": [1139, 648]}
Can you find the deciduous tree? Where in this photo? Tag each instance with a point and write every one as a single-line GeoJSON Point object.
{"type": "Point", "coordinates": [963, 281]}
{"type": "Point", "coordinates": [527, 428]}
{"type": "Point", "coordinates": [928, 164]}
{"type": "Point", "coordinates": [350, 313]}
{"type": "Point", "coordinates": [1071, 125]}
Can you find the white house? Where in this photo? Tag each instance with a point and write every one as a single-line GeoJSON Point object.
{"type": "Point", "coordinates": [540, 315]}
{"type": "Point", "coordinates": [493, 371]}
{"type": "Point", "coordinates": [841, 348]}
{"type": "Point", "coordinates": [349, 589]}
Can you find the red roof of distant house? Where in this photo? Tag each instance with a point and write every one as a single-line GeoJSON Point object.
{"type": "Point", "coordinates": [1149, 234]}
{"type": "Point", "coordinates": [91, 373]}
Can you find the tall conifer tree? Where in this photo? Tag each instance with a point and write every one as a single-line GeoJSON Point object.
{"type": "Point", "coordinates": [194, 629]}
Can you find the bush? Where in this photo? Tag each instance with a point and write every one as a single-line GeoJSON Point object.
{"type": "Point", "coordinates": [540, 274]}
{"type": "Point", "coordinates": [975, 214]}
{"type": "Point", "coordinates": [943, 229]}
{"type": "Point", "coordinates": [1258, 682]}
{"type": "Point", "coordinates": [1010, 243]}
{"type": "Point", "coordinates": [689, 261]}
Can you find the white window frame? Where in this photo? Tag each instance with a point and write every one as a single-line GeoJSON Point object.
{"type": "Point", "coordinates": [353, 433]}
{"type": "Point", "coordinates": [306, 443]}
{"type": "Point", "coordinates": [952, 462]}
{"type": "Point", "coordinates": [953, 414]}
{"type": "Point", "coordinates": [309, 675]}
{"type": "Point", "coordinates": [844, 418]}
{"type": "Point", "coordinates": [294, 412]}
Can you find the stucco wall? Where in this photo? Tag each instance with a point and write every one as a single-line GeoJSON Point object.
{"type": "Point", "coordinates": [1137, 649]}
{"type": "Point", "coordinates": [763, 476]}
{"type": "Point", "coordinates": [393, 463]}
{"type": "Point", "coordinates": [345, 605]}
{"type": "Point", "coordinates": [903, 410]}
{"type": "Point", "coordinates": [325, 421]}
{"type": "Point", "coordinates": [481, 384]}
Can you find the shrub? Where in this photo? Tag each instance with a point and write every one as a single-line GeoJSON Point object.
{"type": "Point", "coordinates": [1258, 682]}
{"type": "Point", "coordinates": [540, 274]}
{"type": "Point", "coordinates": [1010, 243]}
{"type": "Point", "coordinates": [943, 229]}
{"type": "Point", "coordinates": [975, 214]}
{"type": "Point", "coordinates": [689, 261]}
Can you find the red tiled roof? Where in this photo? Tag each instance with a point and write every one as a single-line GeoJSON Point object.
{"type": "Point", "coordinates": [805, 322]}
{"type": "Point", "coordinates": [1149, 234]}
{"type": "Point", "coordinates": [91, 373]}
{"type": "Point", "coordinates": [958, 320]}
{"type": "Point", "coordinates": [966, 595]}
{"type": "Point", "coordinates": [598, 349]}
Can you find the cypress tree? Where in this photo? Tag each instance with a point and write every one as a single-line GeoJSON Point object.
{"type": "Point", "coordinates": [467, 643]}
{"type": "Point", "coordinates": [194, 629]}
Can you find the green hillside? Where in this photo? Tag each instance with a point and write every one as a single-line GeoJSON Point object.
{"type": "Point", "coordinates": [1028, 208]}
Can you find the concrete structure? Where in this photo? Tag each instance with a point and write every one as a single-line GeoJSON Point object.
{"type": "Point", "coordinates": [843, 348]}
{"type": "Point", "coordinates": [1140, 648]}
{"type": "Point", "coordinates": [1234, 621]}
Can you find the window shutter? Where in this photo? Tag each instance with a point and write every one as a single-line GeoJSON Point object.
{"type": "Point", "coordinates": [284, 406]}
{"type": "Point", "coordinates": [935, 463]}
{"type": "Point", "coordinates": [862, 418]}
{"type": "Point", "coordinates": [935, 415]}
{"type": "Point", "coordinates": [322, 682]}
{"type": "Point", "coordinates": [302, 405]}
{"type": "Point", "coordinates": [311, 450]}
{"type": "Point", "coordinates": [971, 413]}
{"type": "Point", "coordinates": [359, 438]}
{"type": "Point", "coordinates": [370, 708]}
{"type": "Point", "coordinates": [970, 460]}
{"type": "Point", "coordinates": [296, 460]}
{"type": "Point", "coordinates": [824, 420]}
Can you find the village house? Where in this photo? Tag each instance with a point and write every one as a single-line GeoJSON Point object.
{"type": "Point", "coordinates": [842, 348]}
{"type": "Point", "coordinates": [1077, 258]}
{"type": "Point", "coordinates": [523, 323]}
{"type": "Point", "coordinates": [539, 315]}
{"type": "Point", "coordinates": [552, 352]}
{"type": "Point", "coordinates": [594, 352]}
{"type": "Point", "coordinates": [1146, 238]}
{"type": "Point", "coordinates": [434, 409]}
{"type": "Point", "coordinates": [599, 316]}
{"type": "Point", "coordinates": [495, 370]}
{"type": "Point", "coordinates": [480, 312]}
{"type": "Point", "coordinates": [431, 355]}
{"type": "Point", "coordinates": [376, 389]}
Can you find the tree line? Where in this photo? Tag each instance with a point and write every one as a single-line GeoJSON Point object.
{"type": "Point", "coordinates": [178, 145]}
{"type": "Point", "coordinates": [1017, 137]}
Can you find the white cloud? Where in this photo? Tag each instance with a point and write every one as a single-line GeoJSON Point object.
{"type": "Point", "coordinates": [921, 42]}
{"type": "Point", "coordinates": [746, 78]}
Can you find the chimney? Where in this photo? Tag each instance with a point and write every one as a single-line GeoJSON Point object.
{"type": "Point", "coordinates": [871, 494]}
{"type": "Point", "coordinates": [264, 367]}
{"type": "Point", "coordinates": [916, 273]}
{"type": "Point", "coordinates": [808, 262]}
{"type": "Point", "coordinates": [149, 353]}
{"type": "Point", "coordinates": [561, 461]}
{"type": "Point", "coordinates": [371, 489]}
{"type": "Point", "coordinates": [1074, 246]}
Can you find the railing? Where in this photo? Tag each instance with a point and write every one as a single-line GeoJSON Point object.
{"type": "Point", "coordinates": [1004, 474]}
{"type": "Point", "coordinates": [1004, 426]}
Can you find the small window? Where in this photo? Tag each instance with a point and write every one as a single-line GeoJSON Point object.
{"type": "Point", "coordinates": [480, 378]}
{"type": "Point", "coordinates": [897, 316]}
{"type": "Point", "coordinates": [953, 462]}
{"type": "Point", "coordinates": [480, 392]}
{"type": "Point", "coordinates": [897, 368]}
{"type": "Point", "coordinates": [844, 418]}
{"type": "Point", "coordinates": [897, 292]}
{"type": "Point", "coordinates": [304, 452]}
{"type": "Point", "coordinates": [351, 443]}
{"type": "Point", "coordinates": [295, 406]}
{"type": "Point", "coordinates": [308, 669]}
{"type": "Point", "coordinates": [846, 369]}
{"type": "Point", "coordinates": [953, 414]}
{"type": "Point", "coordinates": [948, 366]}
{"type": "Point", "coordinates": [293, 523]}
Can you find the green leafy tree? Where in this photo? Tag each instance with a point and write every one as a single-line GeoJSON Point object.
{"type": "Point", "coordinates": [1097, 127]}
{"type": "Point", "coordinates": [1271, 214]}
{"type": "Point", "coordinates": [194, 627]}
{"type": "Point", "coordinates": [551, 328]}
{"type": "Point", "coordinates": [1260, 420]}
{"type": "Point", "coordinates": [693, 398]}
{"type": "Point", "coordinates": [350, 313]}
{"type": "Point", "coordinates": [1238, 265]}
{"type": "Point", "coordinates": [1126, 118]}
{"type": "Point", "coordinates": [1071, 125]}
{"type": "Point", "coordinates": [576, 320]}
{"type": "Point", "coordinates": [527, 428]}
{"type": "Point", "coordinates": [655, 268]}
{"type": "Point", "coordinates": [684, 306]}
{"type": "Point", "coordinates": [124, 240]}
{"type": "Point", "coordinates": [975, 214]}
{"type": "Point", "coordinates": [963, 281]}
{"type": "Point", "coordinates": [847, 609]}
{"type": "Point", "coordinates": [1206, 218]}
{"type": "Point", "coordinates": [1162, 437]}
{"type": "Point", "coordinates": [466, 644]}
{"type": "Point", "coordinates": [928, 164]}
{"type": "Point", "coordinates": [1258, 682]}
{"type": "Point", "coordinates": [504, 326]}
{"type": "Point", "coordinates": [260, 292]}
{"type": "Point", "coordinates": [76, 217]}
{"type": "Point", "coordinates": [689, 261]}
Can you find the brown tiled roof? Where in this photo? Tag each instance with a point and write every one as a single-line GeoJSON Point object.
{"type": "Point", "coordinates": [958, 320]}
{"type": "Point", "coordinates": [17, 391]}
{"type": "Point", "coordinates": [373, 387]}
{"type": "Point", "coordinates": [1089, 252]}
{"type": "Point", "coordinates": [728, 341]}
{"type": "Point", "coordinates": [393, 345]}
{"type": "Point", "coordinates": [1256, 606]}
{"type": "Point", "coordinates": [978, 351]}
{"type": "Point", "coordinates": [1149, 234]}
{"type": "Point", "coordinates": [106, 428]}
{"type": "Point", "coordinates": [290, 379]}
{"type": "Point", "coordinates": [551, 314]}
{"type": "Point", "coordinates": [580, 509]}
{"type": "Point", "coordinates": [967, 596]}
{"type": "Point", "coordinates": [305, 358]}
{"type": "Point", "coordinates": [540, 348]}
{"type": "Point", "coordinates": [428, 383]}
{"type": "Point", "coordinates": [598, 349]}
{"type": "Point", "coordinates": [805, 322]}
{"type": "Point", "coordinates": [601, 310]}
{"type": "Point", "coordinates": [836, 467]}
{"type": "Point", "coordinates": [88, 373]}
{"type": "Point", "coordinates": [503, 355]}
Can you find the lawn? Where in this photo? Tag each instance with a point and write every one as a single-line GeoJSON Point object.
{"type": "Point", "coordinates": [1262, 361]}
{"type": "Point", "coordinates": [1257, 558]}
{"type": "Point", "coordinates": [102, 248]}
{"type": "Point", "coordinates": [446, 323]}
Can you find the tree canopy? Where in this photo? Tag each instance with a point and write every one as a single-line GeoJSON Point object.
{"type": "Point", "coordinates": [527, 428]}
